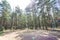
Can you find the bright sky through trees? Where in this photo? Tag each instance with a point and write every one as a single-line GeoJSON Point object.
{"type": "Point", "coordinates": [21, 3]}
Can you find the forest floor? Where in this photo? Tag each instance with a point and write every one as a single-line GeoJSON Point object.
{"type": "Point", "coordinates": [18, 34]}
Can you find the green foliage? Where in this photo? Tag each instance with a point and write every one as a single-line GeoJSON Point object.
{"type": "Point", "coordinates": [35, 19]}
{"type": "Point", "coordinates": [1, 33]}
{"type": "Point", "coordinates": [1, 28]}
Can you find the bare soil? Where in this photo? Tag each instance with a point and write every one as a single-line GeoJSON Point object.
{"type": "Point", "coordinates": [19, 33]}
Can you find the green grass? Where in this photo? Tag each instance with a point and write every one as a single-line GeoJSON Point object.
{"type": "Point", "coordinates": [1, 33]}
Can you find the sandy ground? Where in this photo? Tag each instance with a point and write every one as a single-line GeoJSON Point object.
{"type": "Point", "coordinates": [13, 35]}
{"type": "Point", "coordinates": [10, 36]}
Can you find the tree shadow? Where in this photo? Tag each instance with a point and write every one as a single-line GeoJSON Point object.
{"type": "Point", "coordinates": [34, 36]}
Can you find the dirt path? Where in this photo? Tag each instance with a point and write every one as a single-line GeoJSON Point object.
{"type": "Point", "coordinates": [10, 36]}
{"type": "Point", "coordinates": [13, 35]}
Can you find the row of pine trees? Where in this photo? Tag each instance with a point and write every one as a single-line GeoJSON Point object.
{"type": "Point", "coordinates": [43, 16]}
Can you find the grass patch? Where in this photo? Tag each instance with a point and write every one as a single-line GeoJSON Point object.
{"type": "Point", "coordinates": [1, 33]}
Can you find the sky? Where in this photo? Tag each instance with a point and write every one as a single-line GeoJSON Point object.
{"type": "Point", "coordinates": [58, 3]}
{"type": "Point", "coordinates": [21, 3]}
